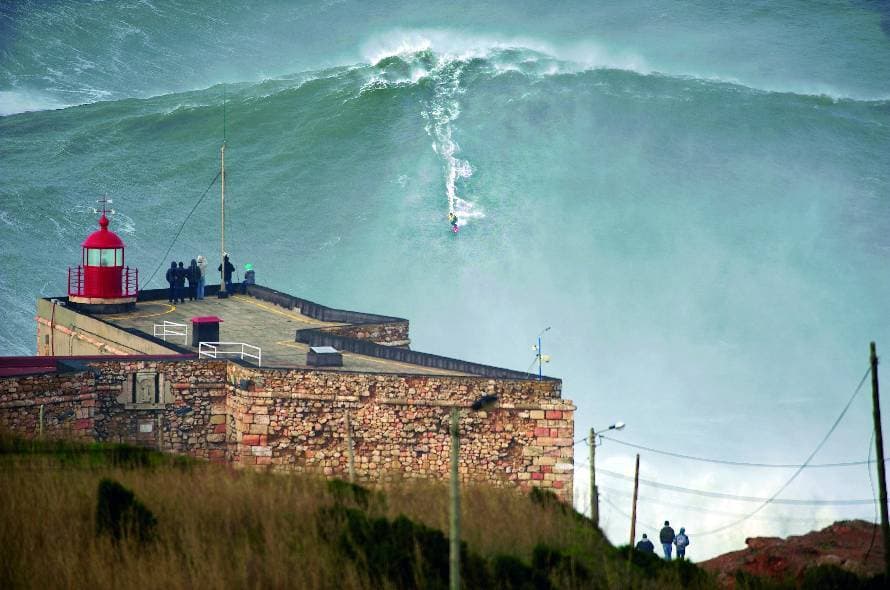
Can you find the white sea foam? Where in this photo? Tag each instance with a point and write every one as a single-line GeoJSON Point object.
{"type": "Point", "coordinates": [13, 102]}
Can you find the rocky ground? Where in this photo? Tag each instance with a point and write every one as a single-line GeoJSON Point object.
{"type": "Point", "coordinates": [845, 544]}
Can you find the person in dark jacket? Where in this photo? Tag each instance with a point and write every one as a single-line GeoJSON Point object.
{"type": "Point", "coordinates": [180, 282]}
{"type": "Point", "coordinates": [193, 274]}
{"type": "Point", "coordinates": [667, 539]}
{"type": "Point", "coordinates": [171, 279]}
{"type": "Point", "coordinates": [227, 273]}
{"type": "Point", "coordinates": [645, 545]}
{"type": "Point", "coordinates": [249, 277]}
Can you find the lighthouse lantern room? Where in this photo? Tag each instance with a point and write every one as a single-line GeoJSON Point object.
{"type": "Point", "coordinates": [101, 283]}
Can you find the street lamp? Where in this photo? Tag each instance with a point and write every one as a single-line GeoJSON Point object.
{"type": "Point", "coordinates": [540, 358]}
{"type": "Point", "coordinates": [483, 403]}
{"type": "Point", "coordinates": [594, 495]}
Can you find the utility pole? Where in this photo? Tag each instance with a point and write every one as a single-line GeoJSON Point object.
{"type": "Point", "coordinates": [594, 495]}
{"type": "Point", "coordinates": [455, 501]}
{"type": "Point", "coordinates": [350, 455]}
{"type": "Point", "coordinates": [222, 222]}
{"type": "Point", "coordinates": [882, 476]}
{"type": "Point", "coordinates": [633, 514]}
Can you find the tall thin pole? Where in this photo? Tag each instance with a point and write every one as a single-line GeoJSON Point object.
{"type": "Point", "coordinates": [633, 513]}
{"type": "Point", "coordinates": [455, 502]}
{"type": "Point", "coordinates": [40, 422]}
{"type": "Point", "coordinates": [540, 361]}
{"type": "Point", "coordinates": [222, 220]}
{"type": "Point", "coordinates": [594, 495]}
{"type": "Point", "coordinates": [879, 443]}
{"type": "Point", "coordinates": [350, 455]}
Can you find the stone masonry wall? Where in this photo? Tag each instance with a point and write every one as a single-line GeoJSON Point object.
{"type": "Point", "coordinates": [68, 400]}
{"type": "Point", "coordinates": [388, 334]}
{"type": "Point", "coordinates": [294, 419]}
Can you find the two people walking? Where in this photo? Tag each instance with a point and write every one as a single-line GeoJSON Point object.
{"type": "Point", "coordinates": [669, 540]}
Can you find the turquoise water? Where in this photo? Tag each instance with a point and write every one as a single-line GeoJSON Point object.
{"type": "Point", "coordinates": [694, 195]}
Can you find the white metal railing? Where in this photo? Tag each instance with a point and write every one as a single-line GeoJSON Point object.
{"type": "Point", "coordinates": [171, 329]}
{"type": "Point", "coordinates": [216, 349]}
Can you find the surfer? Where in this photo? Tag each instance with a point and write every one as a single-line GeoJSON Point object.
{"type": "Point", "coordinates": [452, 219]}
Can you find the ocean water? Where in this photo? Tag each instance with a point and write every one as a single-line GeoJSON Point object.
{"type": "Point", "coordinates": [694, 195]}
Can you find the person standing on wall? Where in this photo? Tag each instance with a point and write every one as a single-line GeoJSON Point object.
{"type": "Point", "coordinates": [193, 274]}
{"type": "Point", "coordinates": [171, 279]}
{"type": "Point", "coordinates": [180, 283]}
{"type": "Point", "coordinates": [681, 541]}
{"type": "Point", "coordinates": [202, 280]}
{"type": "Point", "coordinates": [667, 539]}
{"type": "Point", "coordinates": [249, 276]}
{"type": "Point", "coordinates": [227, 273]}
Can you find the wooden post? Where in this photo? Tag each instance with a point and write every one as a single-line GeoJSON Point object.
{"type": "Point", "coordinates": [594, 495]}
{"type": "Point", "coordinates": [633, 514]}
{"type": "Point", "coordinates": [455, 501]}
{"type": "Point", "coordinates": [879, 444]}
{"type": "Point", "coordinates": [349, 452]}
{"type": "Point", "coordinates": [160, 432]}
{"type": "Point", "coordinates": [40, 422]}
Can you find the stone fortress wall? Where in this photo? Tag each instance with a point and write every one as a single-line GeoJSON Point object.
{"type": "Point", "coordinates": [295, 419]}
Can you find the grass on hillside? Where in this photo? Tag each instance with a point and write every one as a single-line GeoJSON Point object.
{"type": "Point", "coordinates": [214, 527]}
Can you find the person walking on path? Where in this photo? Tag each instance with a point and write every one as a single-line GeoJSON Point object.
{"type": "Point", "coordinates": [681, 541]}
{"type": "Point", "coordinates": [645, 545]}
{"type": "Point", "coordinates": [202, 280]}
{"type": "Point", "coordinates": [193, 274]}
{"type": "Point", "coordinates": [180, 283]}
{"type": "Point", "coordinates": [667, 539]}
{"type": "Point", "coordinates": [171, 279]}
{"type": "Point", "coordinates": [227, 273]}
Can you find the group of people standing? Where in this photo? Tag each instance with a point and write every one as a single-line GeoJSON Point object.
{"type": "Point", "coordinates": [668, 541]}
{"type": "Point", "coordinates": [196, 276]}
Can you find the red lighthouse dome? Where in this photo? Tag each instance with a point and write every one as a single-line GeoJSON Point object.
{"type": "Point", "coordinates": [101, 281]}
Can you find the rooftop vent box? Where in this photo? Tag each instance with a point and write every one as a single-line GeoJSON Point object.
{"type": "Point", "coordinates": [324, 356]}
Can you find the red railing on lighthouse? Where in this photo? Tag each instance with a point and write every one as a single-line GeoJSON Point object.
{"type": "Point", "coordinates": [128, 286]}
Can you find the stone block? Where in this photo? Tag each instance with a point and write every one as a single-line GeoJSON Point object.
{"type": "Point", "coordinates": [542, 432]}
{"type": "Point", "coordinates": [250, 439]}
{"type": "Point", "coordinates": [261, 451]}
{"type": "Point", "coordinates": [216, 438]}
{"type": "Point", "coordinates": [218, 419]}
{"type": "Point", "coordinates": [553, 414]}
{"type": "Point", "coordinates": [537, 476]}
{"type": "Point", "coordinates": [536, 414]}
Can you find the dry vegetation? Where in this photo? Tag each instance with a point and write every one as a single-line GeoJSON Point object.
{"type": "Point", "coordinates": [218, 528]}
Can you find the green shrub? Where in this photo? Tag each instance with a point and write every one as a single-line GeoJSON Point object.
{"type": "Point", "coordinates": [120, 514]}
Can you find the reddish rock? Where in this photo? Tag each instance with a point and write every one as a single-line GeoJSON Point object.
{"type": "Point", "coordinates": [844, 544]}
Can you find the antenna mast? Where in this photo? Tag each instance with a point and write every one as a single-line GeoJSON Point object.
{"type": "Point", "coordinates": [222, 207]}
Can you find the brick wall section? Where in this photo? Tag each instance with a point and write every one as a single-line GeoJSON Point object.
{"type": "Point", "coordinates": [391, 333]}
{"type": "Point", "coordinates": [294, 419]}
{"type": "Point", "coordinates": [68, 399]}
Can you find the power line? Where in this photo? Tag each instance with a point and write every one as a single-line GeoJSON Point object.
{"type": "Point", "coordinates": [772, 499]}
{"type": "Point", "coordinates": [737, 463]}
{"type": "Point", "coordinates": [179, 231]}
{"type": "Point", "coordinates": [726, 496]}
{"type": "Point", "coordinates": [650, 500]}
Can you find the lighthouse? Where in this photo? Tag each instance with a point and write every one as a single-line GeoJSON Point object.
{"type": "Point", "coordinates": [101, 283]}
